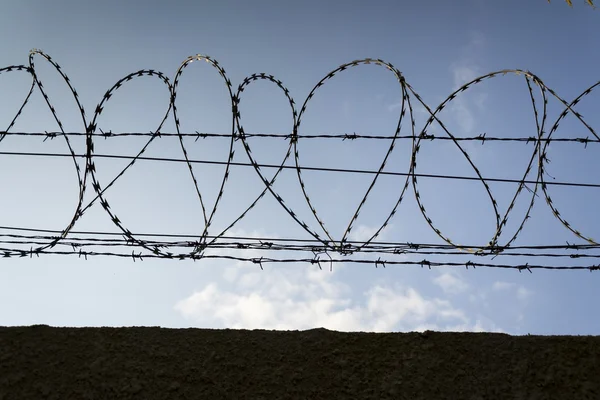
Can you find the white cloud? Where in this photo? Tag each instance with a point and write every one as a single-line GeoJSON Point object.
{"type": "Point", "coordinates": [346, 108]}
{"type": "Point", "coordinates": [463, 73]}
{"type": "Point", "coordinates": [479, 100]}
{"type": "Point", "coordinates": [231, 273]}
{"type": "Point", "coordinates": [477, 40]}
{"type": "Point", "coordinates": [500, 285]}
{"type": "Point", "coordinates": [462, 115]}
{"type": "Point", "coordinates": [453, 314]}
{"type": "Point", "coordinates": [481, 325]}
{"type": "Point", "coordinates": [362, 233]}
{"type": "Point", "coordinates": [394, 106]}
{"type": "Point", "coordinates": [480, 298]}
{"type": "Point", "coordinates": [450, 283]}
{"type": "Point", "coordinates": [294, 296]}
{"type": "Point", "coordinates": [522, 293]}
{"type": "Point", "coordinates": [459, 107]}
{"type": "Point", "coordinates": [289, 298]}
{"type": "Point", "coordinates": [466, 69]}
{"type": "Point", "coordinates": [419, 111]}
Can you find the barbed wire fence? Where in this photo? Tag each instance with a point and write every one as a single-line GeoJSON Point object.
{"type": "Point", "coordinates": [321, 249]}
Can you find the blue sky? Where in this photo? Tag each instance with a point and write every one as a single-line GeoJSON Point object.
{"type": "Point", "coordinates": [438, 46]}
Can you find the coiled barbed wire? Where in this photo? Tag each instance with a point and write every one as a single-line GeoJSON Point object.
{"type": "Point", "coordinates": [326, 242]}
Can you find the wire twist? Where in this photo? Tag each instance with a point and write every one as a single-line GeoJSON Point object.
{"type": "Point", "coordinates": [327, 243]}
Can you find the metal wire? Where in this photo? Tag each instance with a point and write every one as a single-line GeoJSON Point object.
{"type": "Point", "coordinates": [323, 242]}
{"type": "Point", "coordinates": [304, 168]}
{"type": "Point", "coordinates": [8, 253]}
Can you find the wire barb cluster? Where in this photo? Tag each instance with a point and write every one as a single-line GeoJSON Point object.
{"type": "Point", "coordinates": [324, 242]}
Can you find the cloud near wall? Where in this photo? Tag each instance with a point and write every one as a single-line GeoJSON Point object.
{"type": "Point", "coordinates": [290, 297]}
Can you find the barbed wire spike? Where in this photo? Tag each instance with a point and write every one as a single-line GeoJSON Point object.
{"type": "Point", "coordinates": [542, 138]}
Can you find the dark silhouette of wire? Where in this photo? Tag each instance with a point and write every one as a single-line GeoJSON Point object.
{"type": "Point", "coordinates": [287, 136]}
{"type": "Point", "coordinates": [260, 261]}
{"type": "Point", "coordinates": [534, 178]}
{"type": "Point", "coordinates": [307, 168]}
{"type": "Point", "coordinates": [259, 239]}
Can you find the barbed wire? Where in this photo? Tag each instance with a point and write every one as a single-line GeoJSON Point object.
{"type": "Point", "coordinates": [397, 249]}
{"type": "Point", "coordinates": [84, 246]}
{"type": "Point", "coordinates": [320, 233]}
{"type": "Point", "coordinates": [260, 261]}
{"type": "Point", "coordinates": [97, 234]}
{"type": "Point", "coordinates": [306, 168]}
{"type": "Point", "coordinates": [287, 136]}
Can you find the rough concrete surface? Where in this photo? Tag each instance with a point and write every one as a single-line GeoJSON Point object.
{"type": "Point", "coordinates": [41, 362]}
